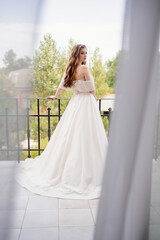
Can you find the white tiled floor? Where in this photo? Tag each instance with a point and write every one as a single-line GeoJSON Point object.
{"type": "Point", "coordinates": [75, 217]}
{"type": "Point", "coordinates": [35, 217]}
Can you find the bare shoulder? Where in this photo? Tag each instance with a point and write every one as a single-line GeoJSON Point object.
{"type": "Point", "coordinates": [84, 68]}
{"type": "Point", "coordinates": [85, 71]}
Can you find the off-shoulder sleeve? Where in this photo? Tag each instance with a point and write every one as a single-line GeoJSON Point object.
{"type": "Point", "coordinates": [80, 85]}
{"type": "Point", "coordinates": [85, 86]}
{"type": "Point", "coordinates": [61, 85]}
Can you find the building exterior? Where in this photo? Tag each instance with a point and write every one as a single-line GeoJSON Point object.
{"type": "Point", "coordinates": [21, 80]}
{"type": "Point", "coordinates": [107, 102]}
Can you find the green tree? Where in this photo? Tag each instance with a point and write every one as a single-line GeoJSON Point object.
{"type": "Point", "coordinates": [98, 71]}
{"type": "Point", "coordinates": [48, 67]}
{"type": "Point", "coordinates": [49, 64]}
{"type": "Point", "coordinates": [71, 44]}
{"type": "Point", "coordinates": [12, 63]}
{"type": "Point", "coordinates": [45, 68]}
{"type": "Point", "coordinates": [10, 60]}
{"type": "Point", "coordinates": [25, 62]}
{"type": "Point", "coordinates": [111, 72]}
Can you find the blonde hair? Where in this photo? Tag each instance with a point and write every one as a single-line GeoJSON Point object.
{"type": "Point", "coordinates": [72, 65]}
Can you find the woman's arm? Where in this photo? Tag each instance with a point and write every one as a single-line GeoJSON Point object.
{"type": "Point", "coordinates": [94, 94]}
{"type": "Point", "coordinates": [59, 89]}
{"type": "Point", "coordinates": [58, 92]}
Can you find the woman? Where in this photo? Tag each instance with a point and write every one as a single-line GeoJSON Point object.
{"type": "Point", "coordinates": [71, 166]}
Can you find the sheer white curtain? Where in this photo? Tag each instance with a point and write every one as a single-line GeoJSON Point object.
{"type": "Point", "coordinates": [125, 198]}
{"type": "Point", "coordinates": [19, 22]}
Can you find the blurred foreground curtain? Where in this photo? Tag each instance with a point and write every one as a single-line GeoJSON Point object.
{"type": "Point", "coordinates": [123, 212]}
{"type": "Point", "coordinates": [19, 30]}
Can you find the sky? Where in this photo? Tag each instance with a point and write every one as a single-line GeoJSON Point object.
{"type": "Point", "coordinates": [95, 23]}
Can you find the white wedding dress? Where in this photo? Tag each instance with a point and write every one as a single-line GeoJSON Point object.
{"type": "Point", "coordinates": [71, 166]}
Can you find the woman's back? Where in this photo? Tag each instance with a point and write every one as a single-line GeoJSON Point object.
{"type": "Point", "coordinates": [82, 72]}
{"type": "Point", "coordinates": [79, 73]}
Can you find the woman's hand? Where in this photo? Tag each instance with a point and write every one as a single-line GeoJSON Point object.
{"type": "Point", "coordinates": [97, 98]}
{"type": "Point", "coordinates": [51, 97]}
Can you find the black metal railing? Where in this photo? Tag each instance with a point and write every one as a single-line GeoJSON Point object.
{"type": "Point", "coordinates": [17, 115]}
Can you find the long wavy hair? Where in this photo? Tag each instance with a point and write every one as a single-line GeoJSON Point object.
{"type": "Point", "coordinates": [72, 65]}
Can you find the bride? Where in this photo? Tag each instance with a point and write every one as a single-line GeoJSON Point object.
{"type": "Point", "coordinates": [71, 166]}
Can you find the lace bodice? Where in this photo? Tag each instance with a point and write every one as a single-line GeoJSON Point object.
{"type": "Point", "coordinates": [80, 85]}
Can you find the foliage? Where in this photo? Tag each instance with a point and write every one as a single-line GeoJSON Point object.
{"type": "Point", "coordinates": [99, 74]}
{"type": "Point", "coordinates": [48, 68]}
{"type": "Point", "coordinates": [71, 44]}
{"type": "Point", "coordinates": [45, 71]}
{"type": "Point", "coordinates": [105, 124]}
{"type": "Point", "coordinates": [34, 154]}
{"type": "Point", "coordinates": [12, 63]}
{"type": "Point", "coordinates": [111, 72]}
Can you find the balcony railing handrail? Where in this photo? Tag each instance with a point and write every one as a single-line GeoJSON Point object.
{"type": "Point", "coordinates": [110, 98]}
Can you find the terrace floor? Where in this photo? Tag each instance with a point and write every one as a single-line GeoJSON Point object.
{"type": "Point", "coordinates": [35, 217]}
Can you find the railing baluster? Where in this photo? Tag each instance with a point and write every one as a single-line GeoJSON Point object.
{"type": "Point", "coordinates": [109, 118]}
{"type": "Point", "coordinates": [59, 109]}
{"type": "Point", "coordinates": [38, 127]}
{"type": "Point", "coordinates": [7, 136]}
{"type": "Point", "coordinates": [28, 133]}
{"type": "Point", "coordinates": [100, 105]}
{"type": "Point", "coordinates": [49, 129]}
{"type": "Point", "coordinates": [17, 130]}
